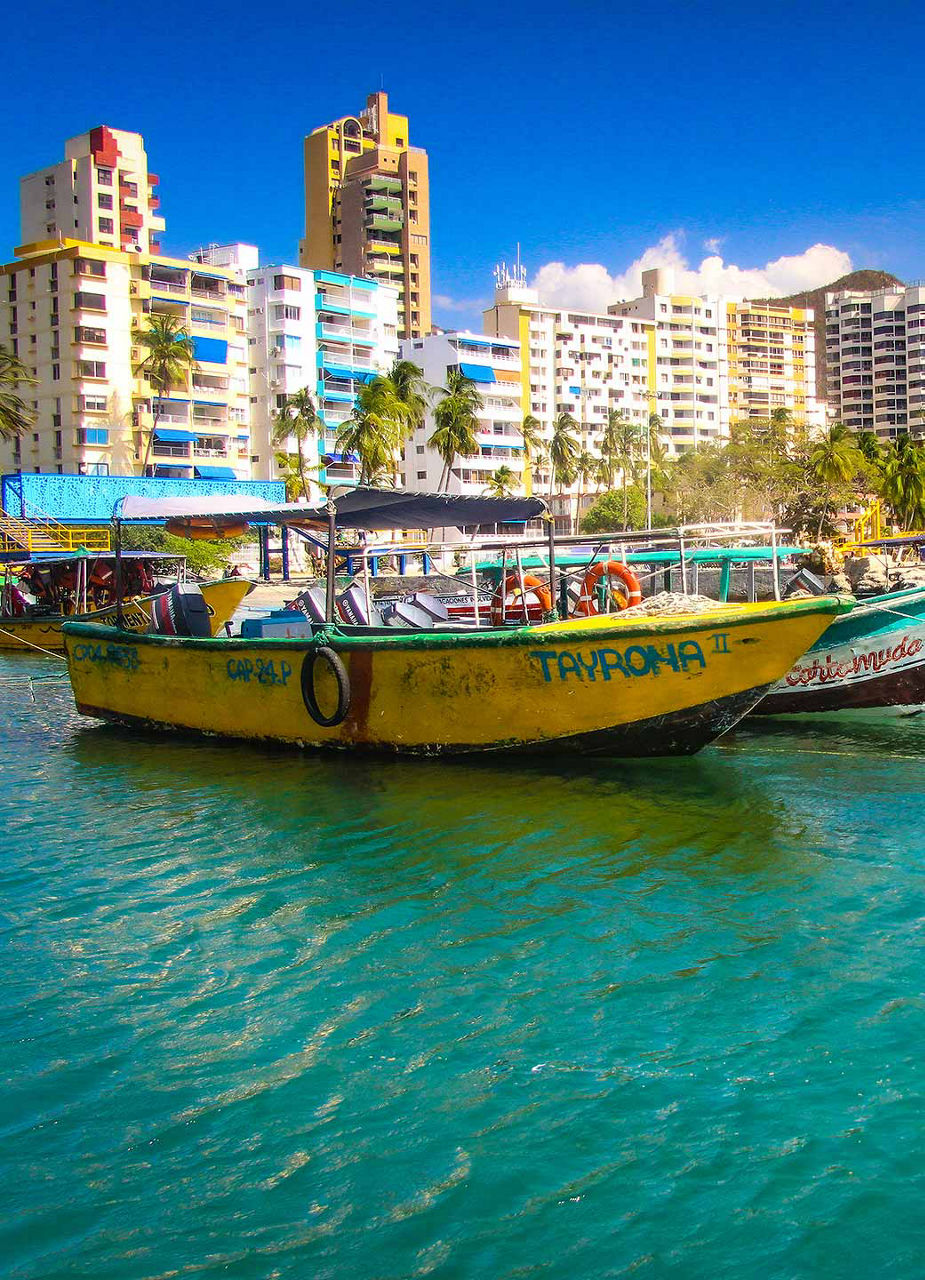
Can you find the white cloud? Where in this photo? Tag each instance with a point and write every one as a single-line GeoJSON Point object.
{"type": "Point", "coordinates": [446, 303]}
{"type": "Point", "coordinates": [592, 287]}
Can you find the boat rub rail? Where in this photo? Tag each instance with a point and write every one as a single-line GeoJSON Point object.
{"type": "Point", "coordinates": [549, 633]}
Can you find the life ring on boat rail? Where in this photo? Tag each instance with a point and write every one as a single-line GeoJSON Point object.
{"type": "Point", "coordinates": [587, 604]}
{"type": "Point", "coordinates": [510, 586]}
{"type": "Point", "coordinates": [341, 679]}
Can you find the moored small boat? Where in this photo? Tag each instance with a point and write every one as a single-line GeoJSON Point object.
{"type": "Point", "coordinates": [871, 661]}
{"type": "Point", "coordinates": [42, 631]}
{"type": "Point", "coordinates": [599, 685]}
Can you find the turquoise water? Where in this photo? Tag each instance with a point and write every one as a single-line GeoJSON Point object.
{"type": "Point", "coordinates": [271, 1015]}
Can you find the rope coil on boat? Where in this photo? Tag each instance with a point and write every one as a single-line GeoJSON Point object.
{"type": "Point", "coordinates": [342, 680]}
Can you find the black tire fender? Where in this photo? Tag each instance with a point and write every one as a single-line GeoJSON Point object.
{"type": "Point", "coordinates": [339, 671]}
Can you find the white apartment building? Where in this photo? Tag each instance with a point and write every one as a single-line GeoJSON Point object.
{"type": "Point", "coordinates": [102, 193]}
{"type": "Point", "coordinates": [875, 353]}
{"type": "Point", "coordinates": [494, 366]}
{"type": "Point", "coordinates": [321, 330]}
{"type": "Point", "coordinates": [720, 361]}
{"type": "Point", "coordinates": [688, 381]}
{"type": "Point", "coordinates": [574, 362]}
{"type": "Point", "coordinates": [68, 308]}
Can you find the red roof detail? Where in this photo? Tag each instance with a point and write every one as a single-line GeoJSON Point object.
{"type": "Point", "coordinates": [103, 147]}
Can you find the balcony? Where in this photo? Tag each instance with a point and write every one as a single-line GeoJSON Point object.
{"type": "Point", "coordinates": [167, 285]}
{"type": "Point", "coordinates": [384, 222]}
{"type": "Point", "coordinates": [384, 182]}
{"type": "Point", "coordinates": [382, 202]}
{"type": "Point", "coordinates": [130, 217]}
{"type": "Point", "coordinates": [169, 450]}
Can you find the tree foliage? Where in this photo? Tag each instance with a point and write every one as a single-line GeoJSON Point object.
{"type": "Point", "coordinates": [15, 416]}
{"type": "Point", "coordinates": [606, 513]}
{"type": "Point", "coordinates": [204, 558]}
{"type": "Point", "coordinates": [171, 356]}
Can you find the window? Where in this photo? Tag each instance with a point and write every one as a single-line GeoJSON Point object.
{"type": "Point", "coordinates": [422, 475]}
{"type": "Point", "coordinates": [287, 313]}
{"type": "Point", "coordinates": [55, 372]}
{"type": "Point", "coordinates": [94, 468]}
{"type": "Point", "coordinates": [93, 404]}
{"type": "Point", "coordinates": [94, 336]}
{"type": "Point", "coordinates": [287, 282]}
{"type": "Point", "coordinates": [91, 368]}
{"type": "Point", "coordinates": [104, 177]}
{"type": "Point", "coordinates": [90, 301]}
{"type": "Point", "coordinates": [104, 200]}
{"type": "Point", "coordinates": [87, 267]}
{"type": "Point", "coordinates": [105, 225]}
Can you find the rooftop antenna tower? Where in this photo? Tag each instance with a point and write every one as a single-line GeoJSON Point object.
{"type": "Point", "coordinates": [511, 277]}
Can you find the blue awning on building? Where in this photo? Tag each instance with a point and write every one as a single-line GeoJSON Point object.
{"type": "Point", "coordinates": [215, 473]}
{"type": "Point", "coordinates": [171, 436]}
{"type": "Point", "coordinates": [213, 403]}
{"type": "Point", "coordinates": [575, 391]}
{"type": "Point", "coordinates": [167, 297]}
{"type": "Point", "coordinates": [341, 457]}
{"type": "Point", "coordinates": [477, 372]}
{"type": "Point", "coordinates": [211, 350]}
{"type": "Point", "coordinates": [213, 275]}
{"type": "Point", "coordinates": [168, 468]}
{"type": "Point", "coordinates": [243, 437]}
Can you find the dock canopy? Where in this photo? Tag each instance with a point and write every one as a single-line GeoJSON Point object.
{"type": "Point", "coordinates": [354, 509]}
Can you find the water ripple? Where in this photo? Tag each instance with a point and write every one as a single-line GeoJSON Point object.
{"type": "Point", "coordinates": [274, 1015]}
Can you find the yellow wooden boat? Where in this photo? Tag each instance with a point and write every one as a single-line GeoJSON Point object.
{"type": "Point", "coordinates": [615, 685]}
{"type": "Point", "coordinates": [31, 633]}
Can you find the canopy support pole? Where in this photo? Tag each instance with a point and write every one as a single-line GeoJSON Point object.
{"type": "Point", "coordinates": [120, 620]}
{"type": "Point", "coordinates": [332, 537]}
{"type": "Point", "coordinates": [284, 537]}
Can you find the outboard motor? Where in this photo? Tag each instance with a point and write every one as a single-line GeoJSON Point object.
{"type": "Point", "coordinates": [181, 611]}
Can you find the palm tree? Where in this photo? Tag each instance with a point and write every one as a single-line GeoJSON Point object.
{"type": "Point", "coordinates": [902, 485]}
{"type": "Point", "coordinates": [457, 420]}
{"type": "Point", "coordinates": [586, 468]}
{"type": "Point", "coordinates": [408, 380]}
{"type": "Point", "coordinates": [376, 430]}
{"type": "Point", "coordinates": [15, 416]}
{"type": "Point", "coordinates": [502, 482]}
{"type": "Point", "coordinates": [835, 459]}
{"type": "Point", "coordinates": [170, 359]}
{"type": "Point", "coordinates": [618, 449]}
{"type": "Point", "coordinates": [298, 417]}
{"type": "Point", "coordinates": [563, 450]}
{"type": "Point", "coordinates": [563, 453]}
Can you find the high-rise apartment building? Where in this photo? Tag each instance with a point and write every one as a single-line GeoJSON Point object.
{"type": "Point", "coordinates": [318, 330]}
{"type": "Point", "coordinates": [686, 337]}
{"type": "Point", "coordinates": [102, 193]}
{"type": "Point", "coordinates": [494, 366]}
{"type": "Point", "coordinates": [367, 207]}
{"type": "Point", "coordinates": [771, 362]}
{"type": "Point", "coordinates": [68, 310]}
{"type": "Point", "coordinates": [573, 362]}
{"type": "Point", "coordinates": [719, 361]}
{"type": "Point", "coordinates": [875, 351]}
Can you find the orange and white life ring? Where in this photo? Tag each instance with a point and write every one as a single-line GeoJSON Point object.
{"type": "Point", "coordinates": [508, 599]}
{"type": "Point", "coordinates": [587, 602]}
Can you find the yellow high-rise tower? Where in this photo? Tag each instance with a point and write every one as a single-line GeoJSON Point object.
{"type": "Point", "coordinates": [367, 207]}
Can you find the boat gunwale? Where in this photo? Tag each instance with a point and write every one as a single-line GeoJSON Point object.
{"type": "Point", "coordinates": [486, 638]}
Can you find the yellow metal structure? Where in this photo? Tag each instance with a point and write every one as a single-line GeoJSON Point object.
{"type": "Point", "coordinates": [612, 685]}
{"type": "Point", "coordinates": [38, 536]}
{"type": "Point", "coordinates": [222, 598]}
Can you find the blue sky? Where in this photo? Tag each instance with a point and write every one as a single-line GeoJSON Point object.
{"type": "Point", "coordinates": [589, 132]}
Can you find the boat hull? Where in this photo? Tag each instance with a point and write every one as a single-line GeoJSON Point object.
{"type": "Point", "coordinates": [222, 598]}
{"type": "Point", "coordinates": [598, 685]}
{"type": "Point", "coordinates": [872, 660]}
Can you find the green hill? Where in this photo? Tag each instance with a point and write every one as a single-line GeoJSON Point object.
{"type": "Point", "coordinates": [815, 298]}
